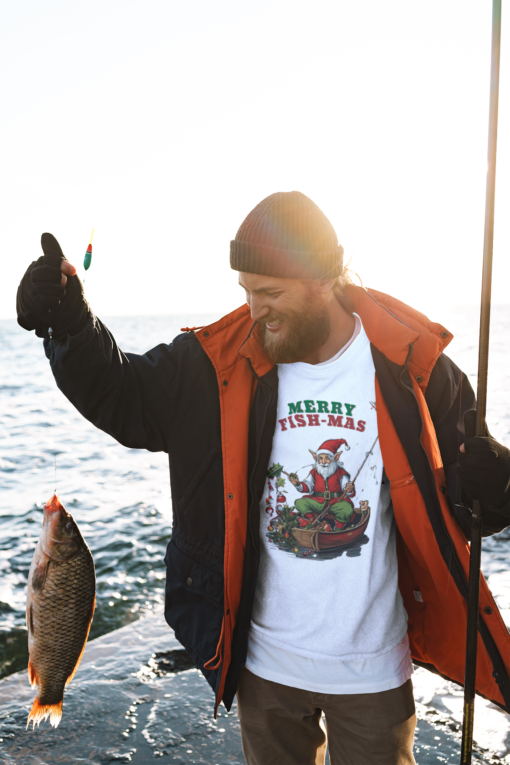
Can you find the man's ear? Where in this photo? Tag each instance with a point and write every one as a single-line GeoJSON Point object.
{"type": "Point", "coordinates": [337, 456]}
{"type": "Point", "coordinates": [323, 286]}
{"type": "Point", "coordinates": [314, 455]}
{"type": "Point", "coordinates": [320, 286]}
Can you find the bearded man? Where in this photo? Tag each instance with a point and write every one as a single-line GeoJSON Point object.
{"type": "Point", "coordinates": [294, 635]}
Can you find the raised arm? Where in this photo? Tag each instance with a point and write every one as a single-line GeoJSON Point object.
{"type": "Point", "coordinates": [132, 397]}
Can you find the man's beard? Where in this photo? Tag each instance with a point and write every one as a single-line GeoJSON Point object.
{"type": "Point", "coordinates": [326, 471]}
{"type": "Point", "coordinates": [306, 331]}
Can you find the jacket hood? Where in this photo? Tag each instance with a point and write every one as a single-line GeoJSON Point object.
{"type": "Point", "coordinates": [392, 327]}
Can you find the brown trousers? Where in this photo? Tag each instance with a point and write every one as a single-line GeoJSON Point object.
{"type": "Point", "coordinates": [282, 725]}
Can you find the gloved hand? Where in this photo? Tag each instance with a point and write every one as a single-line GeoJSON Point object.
{"type": "Point", "coordinates": [43, 301]}
{"type": "Point", "coordinates": [484, 466]}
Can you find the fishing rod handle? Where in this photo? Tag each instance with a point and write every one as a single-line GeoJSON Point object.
{"type": "Point", "coordinates": [472, 633]}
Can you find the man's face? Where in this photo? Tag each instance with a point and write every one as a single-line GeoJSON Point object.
{"type": "Point", "coordinates": [292, 315]}
{"type": "Point", "coordinates": [324, 459]}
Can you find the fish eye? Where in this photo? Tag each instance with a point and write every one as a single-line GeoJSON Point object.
{"type": "Point", "coordinates": [69, 525]}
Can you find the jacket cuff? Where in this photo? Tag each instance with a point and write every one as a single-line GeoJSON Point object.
{"type": "Point", "coordinates": [492, 523]}
{"type": "Point", "coordinates": [497, 517]}
{"type": "Point", "coordinates": [73, 341]}
{"type": "Point", "coordinates": [501, 504]}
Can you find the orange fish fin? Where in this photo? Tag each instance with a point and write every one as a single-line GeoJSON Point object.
{"type": "Point", "coordinates": [32, 676]}
{"type": "Point", "coordinates": [84, 644]}
{"type": "Point", "coordinates": [40, 712]}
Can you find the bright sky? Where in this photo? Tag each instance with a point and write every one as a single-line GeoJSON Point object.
{"type": "Point", "coordinates": [162, 123]}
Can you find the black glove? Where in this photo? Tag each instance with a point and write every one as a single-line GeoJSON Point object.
{"type": "Point", "coordinates": [484, 468]}
{"type": "Point", "coordinates": [42, 301]}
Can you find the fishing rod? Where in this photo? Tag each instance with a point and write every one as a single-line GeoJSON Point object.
{"type": "Point", "coordinates": [481, 396]}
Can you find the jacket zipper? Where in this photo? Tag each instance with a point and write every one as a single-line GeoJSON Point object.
{"type": "Point", "coordinates": [500, 683]}
{"type": "Point", "coordinates": [411, 390]}
{"type": "Point", "coordinates": [257, 453]}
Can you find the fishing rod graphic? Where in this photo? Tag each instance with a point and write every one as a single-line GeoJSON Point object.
{"type": "Point", "coordinates": [367, 455]}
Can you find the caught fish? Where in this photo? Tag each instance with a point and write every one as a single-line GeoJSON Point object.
{"type": "Point", "coordinates": [60, 605]}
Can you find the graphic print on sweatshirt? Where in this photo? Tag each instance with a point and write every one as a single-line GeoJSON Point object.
{"type": "Point", "coordinates": [315, 508]}
{"type": "Point", "coordinates": [327, 585]}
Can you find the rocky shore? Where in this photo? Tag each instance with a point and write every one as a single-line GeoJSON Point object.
{"type": "Point", "coordinates": [137, 699]}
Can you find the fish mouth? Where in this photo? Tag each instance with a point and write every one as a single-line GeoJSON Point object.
{"type": "Point", "coordinates": [53, 505]}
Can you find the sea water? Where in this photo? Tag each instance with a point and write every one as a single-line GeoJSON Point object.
{"type": "Point", "coordinates": [121, 498]}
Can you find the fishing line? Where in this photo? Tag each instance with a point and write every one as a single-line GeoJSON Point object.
{"type": "Point", "coordinates": [303, 467]}
{"type": "Point", "coordinates": [50, 333]}
{"type": "Point", "coordinates": [86, 265]}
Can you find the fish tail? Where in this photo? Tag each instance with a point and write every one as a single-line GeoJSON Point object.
{"type": "Point", "coordinates": [40, 712]}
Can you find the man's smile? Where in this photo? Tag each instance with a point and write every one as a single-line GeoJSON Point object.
{"type": "Point", "coordinates": [274, 325]}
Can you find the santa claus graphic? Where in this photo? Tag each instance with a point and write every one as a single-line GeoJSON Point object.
{"type": "Point", "coordinates": [327, 482]}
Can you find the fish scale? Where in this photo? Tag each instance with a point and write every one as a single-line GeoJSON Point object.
{"type": "Point", "coordinates": [60, 606]}
{"type": "Point", "coordinates": [65, 599]}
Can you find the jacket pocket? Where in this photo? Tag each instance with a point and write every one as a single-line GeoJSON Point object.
{"type": "Point", "coordinates": [193, 604]}
{"type": "Point", "coordinates": [199, 512]}
{"type": "Point", "coordinates": [210, 461]}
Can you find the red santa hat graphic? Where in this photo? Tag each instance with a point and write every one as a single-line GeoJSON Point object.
{"type": "Point", "coordinates": [331, 447]}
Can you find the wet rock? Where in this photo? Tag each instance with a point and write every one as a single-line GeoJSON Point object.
{"type": "Point", "coordinates": [439, 705]}
{"type": "Point", "coordinates": [166, 662]}
{"type": "Point", "coordinates": [136, 699]}
{"type": "Point", "coordinates": [171, 661]}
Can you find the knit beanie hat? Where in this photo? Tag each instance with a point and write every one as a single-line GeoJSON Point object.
{"type": "Point", "coordinates": [287, 235]}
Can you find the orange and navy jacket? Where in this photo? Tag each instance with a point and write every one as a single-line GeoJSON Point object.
{"type": "Point", "coordinates": [209, 399]}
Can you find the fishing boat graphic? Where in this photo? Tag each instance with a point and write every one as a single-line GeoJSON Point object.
{"type": "Point", "coordinates": [321, 540]}
{"type": "Point", "coordinates": [325, 517]}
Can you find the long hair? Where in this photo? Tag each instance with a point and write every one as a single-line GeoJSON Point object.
{"type": "Point", "coordinates": [339, 290]}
